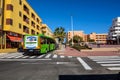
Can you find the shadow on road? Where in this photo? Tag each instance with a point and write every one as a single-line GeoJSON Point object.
{"type": "Point", "coordinates": [91, 77]}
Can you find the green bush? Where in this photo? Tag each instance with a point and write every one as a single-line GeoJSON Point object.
{"type": "Point", "coordinates": [78, 47]}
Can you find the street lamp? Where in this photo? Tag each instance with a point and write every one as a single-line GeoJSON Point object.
{"type": "Point", "coordinates": [72, 30]}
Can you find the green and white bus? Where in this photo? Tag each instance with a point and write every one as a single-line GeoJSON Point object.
{"type": "Point", "coordinates": [38, 44]}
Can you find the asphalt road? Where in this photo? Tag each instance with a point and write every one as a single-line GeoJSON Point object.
{"type": "Point", "coordinates": [16, 66]}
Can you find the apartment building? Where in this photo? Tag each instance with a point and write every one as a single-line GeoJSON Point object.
{"type": "Point", "coordinates": [46, 30]}
{"type": "Point", "coordinates": [17, 18]}
{"type": "Point", "coordinates": [98, 38]}
{"type": "Point", "coordinates": [114, 32]}
{"type": "Point", "coordinates": [70, 34]}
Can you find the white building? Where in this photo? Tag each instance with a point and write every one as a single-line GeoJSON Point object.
{"type": "Point", "coordinates": [114, 32]}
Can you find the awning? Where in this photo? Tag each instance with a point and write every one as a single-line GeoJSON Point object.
{"type": "Point", "coordinates": [15, 39]}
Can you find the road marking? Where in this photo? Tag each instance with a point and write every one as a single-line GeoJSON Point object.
{"type": "Point", "coordinates": [22, 59]}
{"type": "Point", "coordinates": [62, 56]}
{"type": "Point", "coordinates": [102, 57]}
{"type": "Point", "coordinates": [40, 56]}
{"type": "Point", "coordinates": [25, 56]}
{"type": "Point", "coordinates": [19, 56]}
{"type": "Point", "coordinates": [55, 56]}
{"type": "Point", "coordinates": [47, 56]}
{"type": "Point", "coordinates": [62, 62]}
{"type": "Point", "coordinates": [2, 56]}
{"type": "Point", "coordinates": [84, 64]}
{"type": "Point", "coordinates": [6, 56]}
{"type": "Point", "coordinates": [32, 57]}
{"type": "Point", "coordinates": [107, 60]}
{"type": "Point", "coordinates": [114, 68]}
{"type": "Point", "coordinates": [110, 64]}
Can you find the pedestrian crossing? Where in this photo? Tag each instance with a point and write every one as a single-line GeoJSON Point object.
{"type": "Point", "coordinates": [21, 56]}
{"type": "Point", "coordinates": [109, 62]}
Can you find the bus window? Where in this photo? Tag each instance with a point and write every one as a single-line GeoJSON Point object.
{"type": "Point", "coordinates": [42, 40]}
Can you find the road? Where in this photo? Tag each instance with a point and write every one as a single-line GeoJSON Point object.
{"type": "Point", "coordinates": [16, 66]}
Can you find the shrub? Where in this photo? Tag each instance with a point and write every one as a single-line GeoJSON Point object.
{"type": "Point", "coordinates": [78, 47]}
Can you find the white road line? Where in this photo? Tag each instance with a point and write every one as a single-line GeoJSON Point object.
{"type": "Point", "coordinates": [19, 56]}
{"type": "Point", "coordinates": [48, 56]}
{"type": "Point", "coordinates": [55, 56]}
{"type": "Point", "coordinates": [40, 56]}
{"type": "Point", "coordinates": [12, 56]}
{"type": "Point", "coordinates": [107, 60]}
{"type": "Point", "coordinates": [22, 59]}
{"type": "Point", "coordinates": [32, 57]}
{"type": "Point", "coordinates": [25, 56]}
{"type": "Point", "coordinates": [6, 56]}
{"type": "Point", "coordinates": [102, 57]}
{"type": "Point", "coordinates": [110, 64]}
{"type": "Point", "coordinates": [62, 62]}
{"type": "Point", "coordinates": [62, 56]}
{"type": "Point", "coordinates": [114, 68]}
{"type": "Point", "coordinates": [84, 64]}
{"type": "Point", "coordinates": [2, 56]}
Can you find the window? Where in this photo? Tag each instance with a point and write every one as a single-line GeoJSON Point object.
{"type": "Point", "coordinates": [33, 16]}
{"type": "Point", "coordinates": [26, 9]}
{"type": "Point", "coordinates": [9, 21]}
{"type": "Point", "coordinates": [37, 32]}
{"type": "Point", "coordinates": [19, 25]}
{"type": "Point", "coordinates": [26, 19]}
{"type": "Point", "coordinates": [20, 2]}
{"type": "Point", "coordinates": [38, 20]}
{"type": "Point", "coordinates": [37, 27]}
{"type": "Point", "coordinates": [10, 7]}
{"type": "Point", "coordinates": [20, 14]}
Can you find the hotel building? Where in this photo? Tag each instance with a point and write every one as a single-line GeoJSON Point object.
{"type": "Point", "coordinates": [98, 38]}
{"type": "Point", "coordinates": [17, 18]}
{"type": "Point", "coordinates": [114, 32]}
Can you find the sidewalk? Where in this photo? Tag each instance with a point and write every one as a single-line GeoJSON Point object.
{"type": "Point", "coordinates": [72, 52]}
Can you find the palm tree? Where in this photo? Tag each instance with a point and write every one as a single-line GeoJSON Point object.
{"type": "Point", "coordinates": [60, 34]}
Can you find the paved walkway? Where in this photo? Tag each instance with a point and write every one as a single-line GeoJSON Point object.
{"type": "Point", "coordinates": [72, 52]}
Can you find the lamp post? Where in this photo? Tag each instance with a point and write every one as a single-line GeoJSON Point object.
{"type": "Point", "coordinates": [72, 30]}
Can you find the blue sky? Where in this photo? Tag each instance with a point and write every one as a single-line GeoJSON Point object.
{"type": "Point", "coordinates": [88, 15]}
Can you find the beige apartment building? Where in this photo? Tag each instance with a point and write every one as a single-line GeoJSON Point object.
{"type": "Point", "coordinates": [98, 38]}
{"type": "Point", "coordinates": [73, 33]}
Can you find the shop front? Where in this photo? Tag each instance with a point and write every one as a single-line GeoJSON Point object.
{"type": "Point", "coordinates": [11, 41]}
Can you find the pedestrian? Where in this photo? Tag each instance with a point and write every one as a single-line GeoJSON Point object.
{"type": "Point", "coordinates": [65, 45]}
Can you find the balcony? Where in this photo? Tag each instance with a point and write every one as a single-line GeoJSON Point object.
{"type": "Point", "coordinates": [26, 19]}
{"type": "Point", "coordinates": [26, 9]}
{"type": "Point", "coordinates": [44, 30]}
{"type": "Point", "coordinates": [43, 27]}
